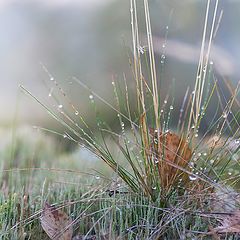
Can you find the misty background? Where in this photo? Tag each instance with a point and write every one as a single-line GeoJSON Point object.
{"type": "Point", "coordinates": [91, 40]}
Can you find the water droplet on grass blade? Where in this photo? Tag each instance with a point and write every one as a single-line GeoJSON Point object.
{"type": "Point", "coordinates": [224, 115]}
{"type": "Point", "coordinates": [192, 178]}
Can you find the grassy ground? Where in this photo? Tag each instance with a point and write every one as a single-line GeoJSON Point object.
{"type": "Point", "coordinates": [152, 178]}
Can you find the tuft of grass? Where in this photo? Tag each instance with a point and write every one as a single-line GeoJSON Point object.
{"type": "Point", "coordinates": [166, 180]}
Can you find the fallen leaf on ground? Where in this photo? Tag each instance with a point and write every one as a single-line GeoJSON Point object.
{"type": "Point", "coordinates": [56, 223]}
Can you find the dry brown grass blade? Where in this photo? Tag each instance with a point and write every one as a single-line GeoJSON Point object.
{"type": "Point", "coordinates": [144, 135]}
{"type": "Point", "coordinates": [56, 223]}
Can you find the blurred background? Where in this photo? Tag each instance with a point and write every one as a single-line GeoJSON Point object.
{"type": "Point", "coordinates": [91, 40]}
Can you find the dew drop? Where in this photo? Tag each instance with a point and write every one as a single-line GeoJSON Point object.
{"type": "Point", "coordinates": [211, 63]}
{"type": "Point", "coordinates": [113, 83]}
{"type": "Point", "coordinates": [171, 107]}
{"type": "Point", "coordinates": [76, 113]}
{"type": "Point", "coordinates": [60, 106]}
{"type": "Point", "coordinates": [167, 27]}
{"type": "Point", "coordinates": [51, 78]}
{"type": "Point", "coordinates": [118, 185]}
{"type": "Point", "coordinates": [237, 141]}
{"type": "Point", "coordinates": [50, 92]}
{"type": "Point", "coordinates": [199, 154]}
{"type": "Point", "coordinates": [205, 154]}
{"type": "Point", "coordinates": [229, 173]}
{"type": "Point", "coordinates": [165, 101]}
{"type": "Point", "coordinates": [97, 177]}
{"type": "Point", "coordinates": [91, 97]}
{"type": "Point", "coordinates": [154, 188]}
{"type": "Point", "coordinates": [64, 136]}
{"type": "Point", "coordinates": [191, 164]}
{"type": "Point", "coordinates": [192, 178]}
{"type": "Point", "coordinates": [196, 135]}
{"type": "Point", "coordinates": [224, 115]}
{"type": "Point", "coordinates": [164, 45]}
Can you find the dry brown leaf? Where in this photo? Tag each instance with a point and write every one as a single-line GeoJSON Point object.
{"type": "Point", "coordinates": [56, 223]}
{"type": "Point", "coordinates": [169, 147]}
{"type": "Point", "coordinates": [230, 224]}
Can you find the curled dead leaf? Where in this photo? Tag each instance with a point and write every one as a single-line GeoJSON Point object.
{"type": "Point", "coordinates": [170, 148]}
{"type": "Point", "coordinates": [56, 223]}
